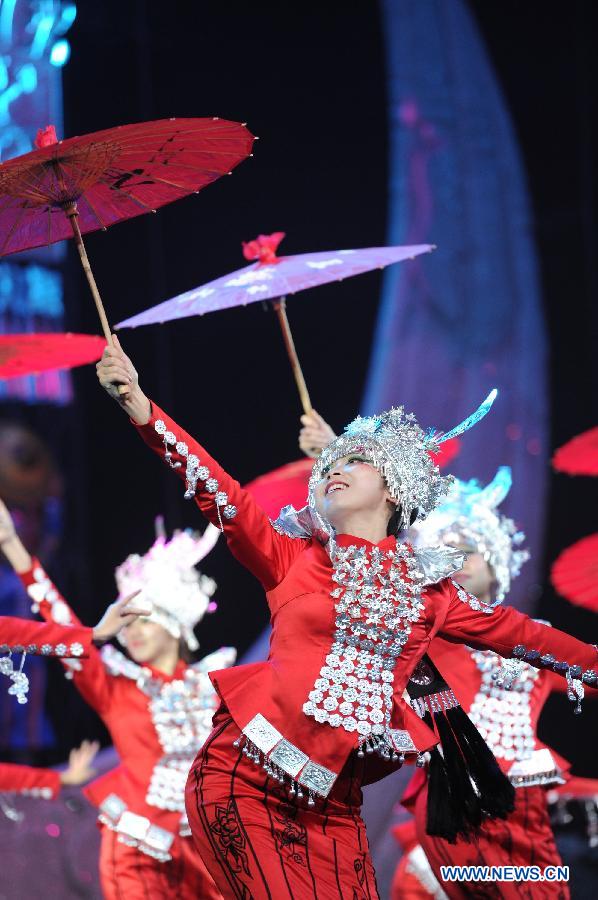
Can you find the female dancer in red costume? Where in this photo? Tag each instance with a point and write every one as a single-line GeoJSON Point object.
{"type": "Point", "coordinates": [157, 708]}
{"type": "Point", "coordinates": [503, 699]}
{"type": "Point", "coordinates": [353, 611]}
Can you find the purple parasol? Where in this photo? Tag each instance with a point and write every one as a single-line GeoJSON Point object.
{"type": "Point", "coordinates": [273, 277]}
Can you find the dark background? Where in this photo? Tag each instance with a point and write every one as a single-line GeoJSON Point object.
{"type": "Point", "coordinates": [310, 81]}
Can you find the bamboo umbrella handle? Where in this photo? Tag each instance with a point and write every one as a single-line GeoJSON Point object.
{"type": "Point", "coordinates": [73, 214]}
{"type": "Point", "coordinates": [287, 336]}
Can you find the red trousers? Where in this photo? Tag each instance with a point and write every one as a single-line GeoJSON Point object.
{"type": "Point", "coordinates": [258, 843]}
{"type": "Point", "coordinates": [524, 839]}
{"type": "Point", "coordinates": [128, 874]}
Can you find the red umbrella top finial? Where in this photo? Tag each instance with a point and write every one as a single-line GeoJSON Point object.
{"type": "Point", "coordinates": [46, 137]}
{"type": "Point", "coordinates": [263, 248]}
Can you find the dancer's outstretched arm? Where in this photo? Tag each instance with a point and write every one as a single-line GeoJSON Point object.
{"type": "Point", "coordinates": [512, 634]}
{"type": "Point", "coordinates": [249, 532]}
{"type": "Point", "coordinates": [64, 634]}
{"type": "Point", "coordinates": [41, 639]}
{"type": "Point", "coordinates": [31, 781]}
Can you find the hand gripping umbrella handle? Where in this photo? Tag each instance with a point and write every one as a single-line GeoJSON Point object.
{"type": "Point", "coordinates": [287, 336]}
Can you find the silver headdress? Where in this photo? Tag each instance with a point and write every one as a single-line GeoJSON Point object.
{"type": "Point", "coordinates": [167, 577]}
{"type": "Point", "coordinates": [400, 450]}
{"type": "Point", "coordinates": [469, 516]}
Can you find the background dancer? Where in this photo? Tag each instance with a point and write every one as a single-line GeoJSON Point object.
{"type": "Point", "coordinates": [503, 699]}
{"type": "Point", "coordinates": [158, 709]}
{"type": "Point", "coordinates": [353, 611]}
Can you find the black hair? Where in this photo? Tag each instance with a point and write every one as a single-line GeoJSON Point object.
{"type": "Point", "coordinates": [394, 523]}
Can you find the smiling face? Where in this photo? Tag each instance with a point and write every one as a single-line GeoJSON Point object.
{"type": "Point", "coordinates": [349, 488]}
{"type": "Point", "coordinates": [148, 643]}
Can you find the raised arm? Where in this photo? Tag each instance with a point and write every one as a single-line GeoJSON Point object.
{"type": "Point", "coordinates": [64, 635]}
{"type": "Point", "coordinates": [249, 532]}
{"type": "Point", "coordinates": [315, 434]}
{"type": "Point", "coordinates": [41, 639]}
{"type": "Point", "coordinates": [514, 635]}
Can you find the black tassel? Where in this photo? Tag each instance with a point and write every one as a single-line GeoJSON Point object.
{"type": "Point", "coordinates": [497, 794]}
{"type": "Point", "coordinates": [445, 811]}
{"type": "Point", "coordinates": [443, 817]}
{"type": "Point", "coordinates": [462, 788]}
{"type": "Point", "coordinates": [465, 781]}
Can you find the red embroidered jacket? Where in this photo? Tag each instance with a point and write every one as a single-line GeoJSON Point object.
{"type": "Point", "coordinates": [266, 699]}
{"type": "Point", "coordinates": [41, 639]}
{"type": "Point", "coordinates": [143, 798]}
{"type": "Point", "coordinates": [29, 781]}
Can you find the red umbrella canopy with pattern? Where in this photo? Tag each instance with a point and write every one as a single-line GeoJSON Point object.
{"type": "Point", "coordinates": [82, 184]}
{"type": "Point", "coordinates": [579, 456]}
{"type": "Point", "coordinates": [111, 175]}
{"type": "Point", "coordinates": [574, 574]}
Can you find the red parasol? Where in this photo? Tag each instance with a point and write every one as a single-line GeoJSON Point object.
{"type": "Point", "coordinates": [574, 574]}
{"type": "Point", "coordinates": [289, 483]}
{"type": "Point", "coordinates": [447, 452]}
{"type": "Point", "coordinates": [272, 278]}
{"type": "Point", "coordinates": [71, 187]}
{"type": "Point", "coordinates": [29, 354]}
{"type": "Point", "coordinates": [579, 456]}
{"type": "Point", "coordinates": [282, 486]}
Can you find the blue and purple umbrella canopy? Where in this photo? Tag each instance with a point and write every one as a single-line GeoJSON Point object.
{"type": "Point", "coordinates": [273, 278]}
{"type": "Point", "coordinates": [282, 276]}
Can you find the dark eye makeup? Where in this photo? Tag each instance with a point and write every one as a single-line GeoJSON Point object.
{"type": "Point", "coordinates": [355, 457]}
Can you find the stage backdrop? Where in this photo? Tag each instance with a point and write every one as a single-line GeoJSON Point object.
{"type": "Point", "coordinates": [467, 318]}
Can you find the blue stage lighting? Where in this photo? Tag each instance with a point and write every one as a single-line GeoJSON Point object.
{"type": "Point", "coordinates": [60, 53]}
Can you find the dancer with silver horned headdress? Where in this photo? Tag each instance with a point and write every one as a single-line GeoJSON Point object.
{"type": "Point", "coordinates": [157, 707]}
{"type": "Point", "coordinates": [503, 698]}
{"type": "Point", "coordinates": [353, 611]}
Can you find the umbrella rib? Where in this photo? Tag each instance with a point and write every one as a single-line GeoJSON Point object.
{"type": "Point", "coordinates": [94, 211]}
{"type": "Point", "coordinates": [167, 132]}
{"type": "Point", "coordinates": [124, 194]}
{"type": "Point", "coordinates": [194, 167]}
{"type": "Point", "coordinates": [24, 182]}
{"type": "Point", "coordinates": [123, 150]}
{"type": "Point", "coordinates": [33, 185]}
{"type": "Point", "coordinates": [132, 133]}
{"type": "Point", "coordinates": [15, 224]}
{"type": "Point", "coordinates": [181, 187]}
